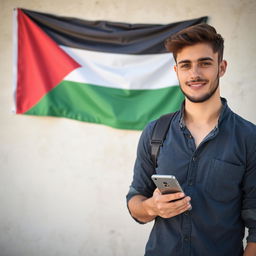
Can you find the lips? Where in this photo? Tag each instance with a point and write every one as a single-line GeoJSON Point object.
{"type": "Point", "coordinates": [197, 83]}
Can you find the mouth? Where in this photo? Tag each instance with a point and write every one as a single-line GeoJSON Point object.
{"type": "Point", "coordinates": [197, 83]}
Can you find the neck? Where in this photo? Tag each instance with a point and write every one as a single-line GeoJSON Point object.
{"type": "Point", "coordinates": [203, 113]}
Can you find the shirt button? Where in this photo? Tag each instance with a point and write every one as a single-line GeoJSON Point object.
{"type": "Point", "coordinates": [190, 183]}
{"type": "Point", "coordinates": [186, 238]}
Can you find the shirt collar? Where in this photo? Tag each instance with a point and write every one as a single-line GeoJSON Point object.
{"type": "Point", "coordinates": [224, 110]}
{"type": "Point", "coordinates": [181, 118]}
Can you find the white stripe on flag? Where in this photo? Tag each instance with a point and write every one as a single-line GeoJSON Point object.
{"type": "Point", "coordinates": [123, 71]}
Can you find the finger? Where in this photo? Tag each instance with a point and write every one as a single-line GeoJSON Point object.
{"type": "Point", "coordinates": [168, 207]}
{"type": "Point", "coordinates": [174, 196]}
{"type": "Point", "coordinates": [170, 214]}
{"type": "Point", "coordinates": [183, 209]}
{"type": "Point", "coordinates": [174, 208]}
{"type": "Point", "coordinates": [157, 191]}
{"type": "Point", "coordinates": [181, 202]}
{"type": "Point", "coordinates": [184, 205]}
{"type": "Point", "coordinates": [176, 211]}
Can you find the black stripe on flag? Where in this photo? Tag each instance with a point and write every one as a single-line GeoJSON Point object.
{"type": "Point", "coordinates": [106, 36]}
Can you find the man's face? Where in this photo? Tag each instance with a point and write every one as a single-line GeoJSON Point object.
{"type": "Point", "coordinates": [198, 71]}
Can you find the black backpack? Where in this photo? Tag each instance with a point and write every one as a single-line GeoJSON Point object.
{"type": "Point", "coordinates": [158, 136]}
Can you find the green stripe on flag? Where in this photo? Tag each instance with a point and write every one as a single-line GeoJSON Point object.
{"type": "Point", "coordinates": [118, 108]}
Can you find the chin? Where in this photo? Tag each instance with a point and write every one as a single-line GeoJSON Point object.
{"type": "Point", "coordinates": [199, 100]}
{"type": "Point", "coordinates": [203, 98]}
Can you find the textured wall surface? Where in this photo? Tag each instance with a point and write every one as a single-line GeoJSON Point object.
{"type": "Point", "coordinates": [63, 182]}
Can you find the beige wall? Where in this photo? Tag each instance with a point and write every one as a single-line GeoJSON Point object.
{"type": "Point", "coordinates": [63, 182]}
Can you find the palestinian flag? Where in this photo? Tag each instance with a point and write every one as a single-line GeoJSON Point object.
{"type": "Point", "coordinates": [110, 73]}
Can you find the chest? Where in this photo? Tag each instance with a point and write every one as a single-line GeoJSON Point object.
{"type": "Point", "coordinates": [179, 156]}
{"type": "Point", "coordinates": [200, 132]}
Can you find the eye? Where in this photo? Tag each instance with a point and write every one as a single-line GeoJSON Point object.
{"type": "Point", "coordinates": [205, 64]}
{"type": "Point", "coordinates": [185, 66]}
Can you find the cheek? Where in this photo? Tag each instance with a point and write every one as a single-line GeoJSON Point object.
{"type": "Point", "coordinates": [182, 76]}
{"type": "Point", "coordinates": [217, 74]}
{"type": "Point", "coordinates": [183, 80]}
{"type": "Point", "coordinates": [211, 74]}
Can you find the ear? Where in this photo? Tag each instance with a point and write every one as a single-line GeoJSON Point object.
{"type": "Point", "coordinates": [175, 68]}
{"type": "Point", "coordinates": [222, 68]}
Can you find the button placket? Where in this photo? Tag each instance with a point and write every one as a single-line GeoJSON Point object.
{"type": "Point", "coordinates": [186, 238]}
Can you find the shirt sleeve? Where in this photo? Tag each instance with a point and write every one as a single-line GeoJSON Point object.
{"type": "Point", "coordinates": [131, 193]}
{"type": "Point", "coordinates": [143, 167]}
{"type": "Point", "coordinates": [249, 192]}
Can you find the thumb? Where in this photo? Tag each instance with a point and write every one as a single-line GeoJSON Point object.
{"type": "Point", "coordinates": [157, 192]}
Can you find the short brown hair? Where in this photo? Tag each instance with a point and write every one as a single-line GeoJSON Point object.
{"type": "Point", "coordinates": [201, 33]}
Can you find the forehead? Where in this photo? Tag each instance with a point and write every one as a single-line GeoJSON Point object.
{"type": "Point", "coordinates": [196, 52]}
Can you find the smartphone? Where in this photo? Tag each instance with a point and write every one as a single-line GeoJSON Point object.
{"type": "Point", "coordinates": [167, 184]}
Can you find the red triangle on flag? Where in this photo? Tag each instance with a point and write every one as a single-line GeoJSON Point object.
{"type": "Point", "coordinates": [42, 64]}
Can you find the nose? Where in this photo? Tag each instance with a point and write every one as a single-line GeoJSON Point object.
{"type": "Point", "coordinates": [194, 72]}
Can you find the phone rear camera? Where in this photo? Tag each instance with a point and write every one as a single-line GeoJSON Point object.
{"type": "Point", "coordinates": [166, 184]}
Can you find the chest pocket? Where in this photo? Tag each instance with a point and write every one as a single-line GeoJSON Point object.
{"type": "Point", "coordinates": [224, 180]}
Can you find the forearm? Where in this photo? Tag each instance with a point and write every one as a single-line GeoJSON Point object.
{"type": "Point", "coordinates": [141, 209]}
{"type": "Point", "coordinates": [250, 249]}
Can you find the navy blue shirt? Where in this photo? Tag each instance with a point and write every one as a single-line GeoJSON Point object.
{"type": "Point", "coordinates": [219, 176]}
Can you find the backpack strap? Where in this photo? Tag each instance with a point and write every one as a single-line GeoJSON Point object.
{"type": "Point", "coordinates": [158, 136]}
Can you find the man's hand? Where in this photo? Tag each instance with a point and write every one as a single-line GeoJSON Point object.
{"type": "Point", "coordinates": [146, 209]}
{"type": "Point", "coordinates": [166, 206]}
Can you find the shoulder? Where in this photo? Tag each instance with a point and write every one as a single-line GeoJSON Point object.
{"type": "Point", "coordinates": [148, 130]}
{"type": "Point", "coordinates": [159, 123]}
{"type": "Point", "coordinates": [244, 125]}
{"type": "Point", "coordinates": [234, 122]}
{"type": "Point", "coordinates": [144, 141]}
{"type": "Point", "coordinates": [245, 131]}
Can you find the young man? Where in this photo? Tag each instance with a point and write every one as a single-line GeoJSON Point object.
{"type": "Point", "coordinates": [211, 151]}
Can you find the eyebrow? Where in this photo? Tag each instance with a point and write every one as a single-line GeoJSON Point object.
{"type": "Point", "coordinates": [200, 59]}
